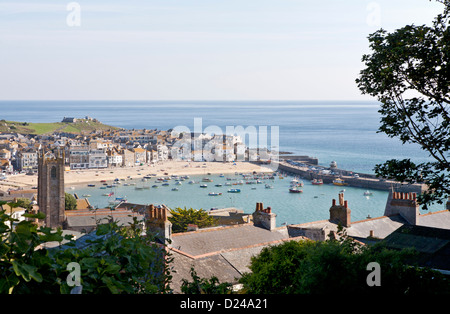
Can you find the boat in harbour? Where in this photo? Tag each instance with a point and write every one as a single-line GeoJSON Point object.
{"type": "Point", "coordinates": [367, 193]}
{"type": "Point", "coordinates": [234, 191]}
{"type": "Point", "coordinates": [317, 182]}
{"type": "Point", "coordinates": [339, 182]}
{"type": "Point", "coordinates": [295, 190]}
{"type": "Point", "coordinates": [214, 194]}
{"type": "Point", "coordinates": [203, 185]}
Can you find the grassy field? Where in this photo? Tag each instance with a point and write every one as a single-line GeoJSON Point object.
{"type": "Point", "coordinates": [81, 126]}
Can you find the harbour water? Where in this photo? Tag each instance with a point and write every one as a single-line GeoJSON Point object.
{"type": "Point", "coordinates": [292, 208]}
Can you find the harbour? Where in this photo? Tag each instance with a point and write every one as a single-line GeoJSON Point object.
{"type": "Point", "coordinates": [308, 168]}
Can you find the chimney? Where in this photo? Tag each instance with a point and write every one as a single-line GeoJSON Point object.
{"type": "Point", "coordinates": [340, 213]}
{"type": "Point", "coordinates": [263, 217]}
{"type": "Point", "coordinates": [403, 204]}
{"type": "Point", "coordinates": [158, 223]}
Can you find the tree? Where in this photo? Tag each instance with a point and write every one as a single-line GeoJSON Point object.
{"type": "Point", "coordinates": [116, 259]}
{"type": "Point", "coordinates": [408, 71]}
{"type": "Point", "coordinates": [332, 266]}
{"type": "Point", "coordinates": [181, 218]}
{"type": "Point", "coordinates": [24, 203]}
{"type": "Point", "coordinates": [69, 201]}
{"type": "Point", "coordinates": [205, 286]}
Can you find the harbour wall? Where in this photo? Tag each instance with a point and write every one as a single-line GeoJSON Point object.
{"type": "Point", "coordinates": [365, 181]}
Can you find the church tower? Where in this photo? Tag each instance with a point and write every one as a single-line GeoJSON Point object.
{"type": "Point", "coordinates": [51, 196]}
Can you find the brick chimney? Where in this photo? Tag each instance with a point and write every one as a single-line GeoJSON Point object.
{"type": "Point", "coordinates": [403, 204]}
{"type": "Point", "coordinates": [340, 213]}
{"type": "Point", "coordinates": [157, 222]}
{"type": "Point", "coordinates": [263, 217]}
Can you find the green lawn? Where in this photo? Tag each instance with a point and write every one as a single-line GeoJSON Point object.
{"type": "Point", "coordinates": [42, 128]}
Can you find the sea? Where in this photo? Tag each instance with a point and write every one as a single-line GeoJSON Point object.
{"type": "Point", "coordinates": [342, 131]}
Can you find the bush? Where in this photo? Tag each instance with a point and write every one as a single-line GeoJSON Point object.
{"type": "Point", "coordinates": [70, 201]}
{"type": "Point", "coordinates": [115, 260]}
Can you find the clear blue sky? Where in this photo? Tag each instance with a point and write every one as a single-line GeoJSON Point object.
{"type": "Point", "coordinates": [193, 49]}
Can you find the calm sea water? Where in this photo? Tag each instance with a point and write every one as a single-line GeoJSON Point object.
{"type": "Point", "coordinates": [345, 132]}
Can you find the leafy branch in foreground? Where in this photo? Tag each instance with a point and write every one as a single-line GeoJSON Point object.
{"type": "Point", "coordinates": [115, 259]}
{"type": "Point", "coordinates": [408, 71]}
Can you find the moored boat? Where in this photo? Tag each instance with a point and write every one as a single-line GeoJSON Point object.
{"type": "Point", "coordinates": [317, 182]}
{"type": "Point", "coordinates": [339, 182]}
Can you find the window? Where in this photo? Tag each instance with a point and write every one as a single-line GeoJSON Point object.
{"type": "Point", "coordinates": [53, 172]}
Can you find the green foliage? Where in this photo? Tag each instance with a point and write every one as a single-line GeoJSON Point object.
{"type": "Point", "coordinates": [205, 286]}
{"type": "Point", "coordinates": [408, 71]}
{"type": "Point", "coordinates": [69, 201]}
{"type": "Point", "coordinates": [116, 260]}
{"type": "Point", "coordinates": [24, 203]}
{"type": "Point", "coordinates": [313, 267]}
{"type": "Point", "coordinates": [181, 218]}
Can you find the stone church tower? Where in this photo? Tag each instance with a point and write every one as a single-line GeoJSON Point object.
{"type": "Point", "coordinates": [51, 197]}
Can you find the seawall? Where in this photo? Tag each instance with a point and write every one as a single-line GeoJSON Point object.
{"type": "Point", "coordinates": [361, 180]}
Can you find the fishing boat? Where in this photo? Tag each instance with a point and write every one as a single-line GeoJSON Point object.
{"type": "Point", "coordinates": [214, 194]}
{"type": "Point", "coordinates": [234, 191]}
{"type": "Point", "coordinates": [339, 182]}
{"type": "Point", "coordinates": [207, 180]}
{"type": "Point", "coordinates": [295, 190]}
{"type": "Point", "coordinates": [367, 193]}
{"type": "Point", "coordinates": [268, 186]}
{"type": "Point", "coordinates": [204, 186]}
{"type": "Point", "coordinates": [154, 186]}
{"type": "Point", "coordinates": [175, 189]}
{"type": "Point", "coordinates": [178, 183]}
{"type": "Point", "coordinates": [218, 185]}
{"type": "Point", "coordinates": [165, 184]}
{"type": "Point", "coordinates": [317, 182]}
{"type": "Point", "coordinates": [91, 185]}
{"type": "Point", "coordinates": [117, 200]}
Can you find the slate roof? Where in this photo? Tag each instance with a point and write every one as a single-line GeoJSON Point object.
{"type": "Point", "coordinates": [433, 244]}
{"type": "Point", "coordinates": [381, 226]}
{"type": "Point", "coordinates": [223, 252]}
{"type": "Point", "coordinates": [207, 241]}
{"type": "Point", "coordinates": [78, 219]}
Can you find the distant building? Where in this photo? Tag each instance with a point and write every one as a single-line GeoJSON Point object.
{"type": "Point", "coordinates": [70, 120]}
{"type": "Point", "coordinates": [79, 157]}
{"type": "Point", "coordinates": [97, 159]}
{"type": "Point", "coordinates": [27, 160]}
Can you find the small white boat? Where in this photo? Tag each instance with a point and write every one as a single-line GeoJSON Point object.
{"type": "Point", "coordinates": [368, 193]}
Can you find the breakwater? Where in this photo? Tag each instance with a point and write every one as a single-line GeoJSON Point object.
{"type": "Point", "coordinates": [353, 179]}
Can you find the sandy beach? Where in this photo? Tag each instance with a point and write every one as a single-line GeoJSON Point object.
{"type": "Point", "coordinates": [77, 177]}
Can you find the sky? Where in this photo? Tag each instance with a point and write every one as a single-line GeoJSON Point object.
{"type": "Point", "coordinates": [193, 49]}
